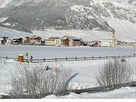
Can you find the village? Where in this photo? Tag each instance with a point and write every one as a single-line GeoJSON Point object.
{"type": "Point", "coordinates": [66, 41]}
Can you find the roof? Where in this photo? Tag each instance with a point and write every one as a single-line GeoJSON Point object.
{"type": "Point", "coordinates": [1, 38]}
{"type": "Point", "coordinates": [53, 38]}
{"type": "Point", "coordinates": [72, 37]}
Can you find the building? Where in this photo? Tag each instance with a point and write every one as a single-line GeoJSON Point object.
{"type": "Point", "coordinates": [4, 40]}
{"type": "Point", "coordinates": [8, 42]}
{"type": "Point", "coordinates": [127, 43]}
{"type": "Point", "coordinates": [107, 42]}
{"type": "Point", "coordinates": [72, 41]}
{"type": "Point", "coordinates": [33, 41]}
{"type": "Point", "coordinates": [92, 43]}
{"type": "Point", "coordinates": [17, 41]}
{"type": "Point", "coordinates": [53, 41]}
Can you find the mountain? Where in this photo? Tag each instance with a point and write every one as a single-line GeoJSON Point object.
{"type": "Point", "coordinates": [29, 15]}
{"type": "Point", "coordinates": [3, 3]}
{"type": "Point", "coordinates": [132, 2]}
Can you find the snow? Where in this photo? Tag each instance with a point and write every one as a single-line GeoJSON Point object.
{"type": "Point", "coordinates": [77, 8]}
{"type": "Point", "coordinates": [3, 3]}
{"type": "Point", "coordinates": [86, 78]}
{"type": "Point", "coordinates": [3, 19]}
{"type": "Point", "coordinates": [86, 70]}
{"type": "Point", "coordinates": [117, 3]}
{"type": "Point", "coordinates": [123, 93]}
{"type": "Point", "coordinates": [125, 31]}
{"type": "Point", "coordinates": [85, 34]}
{"type": "Point", "coordinates": [13, 33]}
{"type": "Point", "coordinates": [52, 52]}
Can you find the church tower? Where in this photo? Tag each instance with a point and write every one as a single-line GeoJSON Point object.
{"type": "Point", "coordinates": [113, 38]}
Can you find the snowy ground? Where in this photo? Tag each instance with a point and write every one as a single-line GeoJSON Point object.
{"type": "Point", "coordinates": [51, 52]}
{"type": "Point", "coordinates": [13, 33]}
{"type": "Point", "coordinates": [86, 70]}
{"type": "Point", "coordinates": [123, 93]}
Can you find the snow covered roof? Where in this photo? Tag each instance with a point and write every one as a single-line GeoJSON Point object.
{"type": "Point", "coordinates": [72, 37]}
{"type": "Point", "coordinates": [106, 39]}
{"type": "Point", "coordinates": [1, 38]}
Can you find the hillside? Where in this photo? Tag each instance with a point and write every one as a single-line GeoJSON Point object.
{"type": "Point", "coordinates": [124, 32]}
{"type": "Point", "coordinates": [28, 15]}
{"type": "Point", "coordinates": [13, 33]}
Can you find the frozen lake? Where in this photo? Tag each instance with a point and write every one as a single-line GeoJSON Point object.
{"type": "Point", "coordinates": [51, 52]}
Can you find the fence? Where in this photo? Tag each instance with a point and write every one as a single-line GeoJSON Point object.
{"type": "Point", "coordinates": [32, 60]}
{"type": "Point", "coordinates": [102, 89]}
{"type": "Point", "coordinates": [78, 91]}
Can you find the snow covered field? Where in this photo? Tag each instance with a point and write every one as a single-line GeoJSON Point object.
{"type": "Point", "coordinates": [51, 52]}
{"type": "Point", "coordinates": [86, 70]}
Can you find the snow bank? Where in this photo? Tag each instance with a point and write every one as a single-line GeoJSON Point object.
{"type": "Point", "coordinates": [123, 93]}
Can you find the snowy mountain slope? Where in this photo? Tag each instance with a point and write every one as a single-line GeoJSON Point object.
{"type": "Point", "coordinates": [65, 14]}
{"type": "Point", "coordinates": [132, 2]}
{"type": "Point", "coordinates": [3, 3]}
{"type": "Point", "coordinates": [124, 32]}
{"type": "Point", "coordinates": [13, 33]}
{"type": "Point", "coordinates": [73, 15]}
{"type": "Point", "coordinates": [85, 35]}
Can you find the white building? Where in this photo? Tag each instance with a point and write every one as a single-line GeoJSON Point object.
{"type": "Point", "coordinates": [107, 42]}
{"type": "Point", "coordinates": [53, 41]}
{"type": "Point", "coordinates": [8, 42]}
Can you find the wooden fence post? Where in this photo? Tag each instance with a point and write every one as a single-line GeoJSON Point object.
{"type": "Point", "coordinates": [56, 59]}
{"type": "Point", "coordinates": [31, 59]}
{"type": "Point", "coordinates": [76, 58]}
{"type": "Point", "coordinates": [106, 57]}
{"type": "Point", "coordinates": [6, 57]}
{"type": "Point", "coordinates": [44, 59]}
{"type": "Point", "coordinates": [66, 58]}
